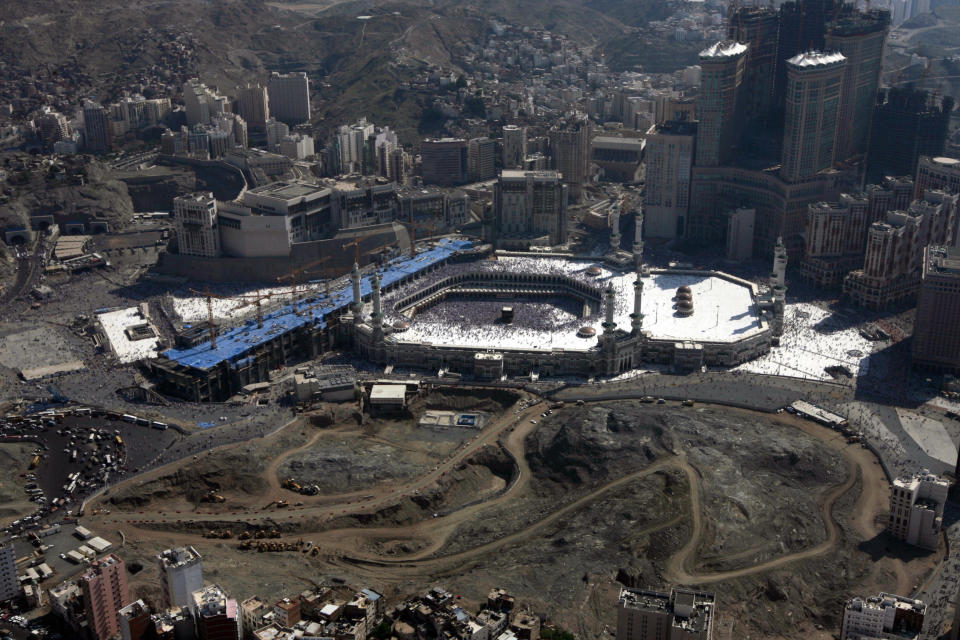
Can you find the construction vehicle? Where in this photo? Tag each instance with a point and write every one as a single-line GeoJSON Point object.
{"type": "Point", "coordinates": [282, 503]}
{"type": "Point", "coordinates": [213, 496]}
{"type": "Point", "coordinates": [292, 484]}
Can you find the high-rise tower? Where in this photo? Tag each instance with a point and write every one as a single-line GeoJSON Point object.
{"type": "Point", "coordinates": [719, 103]}
{"type": "Point", "coordinates": [812, 109]}
{"type": "Point", "coordinates": [861, 38]}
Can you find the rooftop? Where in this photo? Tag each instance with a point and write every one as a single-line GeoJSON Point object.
{"type": "Point", "coordinates": [519, 174]}
{"type": "Point", "coordinates": [944, 260]}
{"type": "Point", "coordinates": [812, 59]}
{"type": "Point", "coordinates": [287, 190]}
{"type": "Point", "coordinates": [232, 344]}
{"type": "Point", "coordinates": [724, 49]}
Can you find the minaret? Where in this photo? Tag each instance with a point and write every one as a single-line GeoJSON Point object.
{"type": "Point", "coordinates": [778, 278]}
{"type": "Point", "coordinates": [778, 286]}
{"type": "Point", "coordinates": [637, 317]}
{"type": "Point", "coordinates": [615, 226]}
{"type": "Point", "coordinates": [357, 305]}
{"type": "Point", "coordinates": [638, 241]}
{"type": "Point", "coordinates": [610, 301]}
{"type": "Point", "coordinates": [377, 315]}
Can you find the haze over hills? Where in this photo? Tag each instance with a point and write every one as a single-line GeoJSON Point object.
{"type": "Point", "coordinates": [352, 63]}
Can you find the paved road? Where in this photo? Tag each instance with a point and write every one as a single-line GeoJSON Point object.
{"type": "Point", "coordinates": [29, 268]}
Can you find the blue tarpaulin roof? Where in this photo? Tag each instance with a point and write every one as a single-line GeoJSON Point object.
{"type": "Point", "coordinates": [234, 343]}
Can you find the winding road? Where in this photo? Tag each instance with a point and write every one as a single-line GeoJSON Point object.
{"type": "Point", "coordinates": [351, 545]}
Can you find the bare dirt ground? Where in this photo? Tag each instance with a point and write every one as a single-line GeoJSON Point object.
{"type": "Point", "coordinates": [14, 460]}
{"type": "Point", "coordinates": [782, 518]}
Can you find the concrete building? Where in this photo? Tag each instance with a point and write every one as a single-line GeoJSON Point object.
{"type": "Point", "coordinates": [681, 614]}
{"type": "Point", "coordinates": [104, 589]}
{"type": "Point", "coordinates": [287, 611]}
{"type": "Point", "coordinates": [916, 509]}
{"type": "Point", "coordinates": [96, 127]}
{"type": "Point", "coordinates": [529, 207]}
{"type": "Point", "coordinates": [740, 234]}
{"type": "Point", "coordinates": [814, 82]}
{"type": "Point", "coordinates": [434, 209]}
{"type": "Point", "coordinates": [861, 38]}
{"type": "Point", "coordinates": [936, 332]}
{"type": "Point", "coordinates": [217, 615]}
{"type": "Point", "coordinates": [9, 584]}
{"type": "Point", "coordinates": [893, 261]}
{"type": "Point", "coordinates": [937, 173]}
{"type": "Point", "coordinates": [514, 146]}
{"type": "Point", "coordinates": [195, 225]}
{"type": "Point", "coordinates": [907, 124]}
{"type": "Point", "coordinates": [481, 159]}
{"type": "Point", "coordinates": [444, 162]}
{"type": "Point", "coordinates": [276, 131]}
{"type": "Point", "coordinates": [757, 27]}
{"type": "Point", "coordinates": [836, 232]}
{"type": "Point", "coordinates": [181, 572]}
{"type": "Point", "coordinates": [136, 622]}
{"type": "Point", "coordinates": [296, 146]}
{"type": "Point", "coordinates": [350, 141]}
{"type": "Point", "coordinates": [570, 152]}
{"type": "Point", "coordinates": [883, 616]}
{"type": "Point", "coordinates": [669, 157]}
{"type": "Point", "coordinates": [202, 102]}
{"type": "Point", "coordinates": [290, 97]}
{"type": "Point", "coordinates": [52, 126]}
{"type": "Point", "coordinates": [252, 612]}
{"type": "Point", "coordinates": [253, 105]}
{"type": "Point", "coordinates": [619, 158]}
{"type": "Point", "coordinates": [719, 104]}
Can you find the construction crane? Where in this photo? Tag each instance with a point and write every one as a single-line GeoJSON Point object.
{"type": "Point", "coordinates": [211, 327]}
{"type": "Point", "coordinates": [249, 299]}
{"type": "Point", "coordinates": [294, 278]}
{"type": "Point", "coordinates": [356, 249]}
{"type": "Point", "coordinates": [255, 300]}
{"type": "Point", "coordinates": [412, 227]}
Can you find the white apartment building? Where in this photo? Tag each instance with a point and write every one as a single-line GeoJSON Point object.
{"type": "Point", "coordinates": [195, 225]}
{"type": "Point", "coordinates": [872, 618]}
{"type": "Point", "coordinates": [351, 140]}
{"type": "Point", "coordinates": [181, 571]}
{"type": "Point", "coordinates": [276, 131]}
{"type": "Point", "coordinates": [916, 509]}
{"type": "Point", "coordinates": [9, 584]}
{"type": "Point", "coordinates": [297, 146]}
{"type": "Point", "coordinates": [202, 102]}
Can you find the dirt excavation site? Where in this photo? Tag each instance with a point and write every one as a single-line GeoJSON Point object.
{"type": "Point", "coordinates": [780, 517]}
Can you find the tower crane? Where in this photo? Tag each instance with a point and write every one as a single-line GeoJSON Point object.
{"type": "Point", "coordinates": [412, 227]}
{"type": "Point", "coordinates": [294, 278]}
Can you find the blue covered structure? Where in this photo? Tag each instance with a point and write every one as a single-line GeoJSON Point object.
{"type": "Point", "coordinates": [245, 354]}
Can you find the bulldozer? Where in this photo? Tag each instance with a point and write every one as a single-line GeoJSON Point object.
{"type": "Point", "coordinates": [292, 484]}
{"type": "Point", "coordinates": [213, 496]}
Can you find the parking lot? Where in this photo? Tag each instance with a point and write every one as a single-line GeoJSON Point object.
{"type": "Point", "coordinates": [79, 454]}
